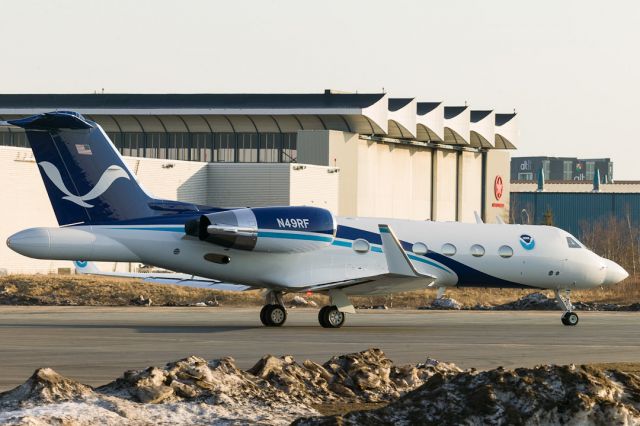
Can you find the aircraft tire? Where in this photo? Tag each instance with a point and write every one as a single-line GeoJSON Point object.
{"type": "Point", "coordinates": [331, 317]}
{"type": "Point", "coordinates": [321, 316]}
{"type": "Point", "coordinates": [274, 315]}
{"type": "Point", "coordinates": [263, 315]}
{"type": "Point", "coordinates": [570, 319]}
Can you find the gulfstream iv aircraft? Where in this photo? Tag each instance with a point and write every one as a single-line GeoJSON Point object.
{"type": "Point", "coordinates": [105, 215]}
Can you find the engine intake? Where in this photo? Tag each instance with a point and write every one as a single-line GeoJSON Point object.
{"type": "Point", "coordinates": [269, 229]}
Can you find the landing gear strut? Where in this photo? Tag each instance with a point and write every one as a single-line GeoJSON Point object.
{"type": "Point", "coordinates": [569, 317]}
{"type": "Point", "coordinates": [273, 314]}
{"type": "Point", "coordinates": [331, 317]}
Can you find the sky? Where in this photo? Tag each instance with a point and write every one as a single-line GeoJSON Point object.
{"type": "Point", "coordinates": [569, 68]}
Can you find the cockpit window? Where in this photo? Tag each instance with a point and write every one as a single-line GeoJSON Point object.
{"type": "Point", "coordinates": [573, 243]}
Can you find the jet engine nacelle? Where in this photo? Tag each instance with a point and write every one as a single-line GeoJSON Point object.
{"type": "Point", "coordinates": [267, 229]}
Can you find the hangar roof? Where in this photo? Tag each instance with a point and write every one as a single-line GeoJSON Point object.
{"type": "Point", "coordinates": [193, 101]}
{"type": "Point", "coordinates": [482, 127]}
{"type": "Point", "coordinates": [364, 113]}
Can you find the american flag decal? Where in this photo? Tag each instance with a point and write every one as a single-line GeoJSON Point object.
{"type": "Point", "coordinates": [83, 149]}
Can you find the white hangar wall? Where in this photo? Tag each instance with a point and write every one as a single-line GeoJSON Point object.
{"type": "Point", "coordinates": [470, 181]}
{"type": "Point", "coordinates": [375, 179]}
{"type": "Point", "coordinates": [408, 181]}
{"type": "Point", "coordinates": [271, 184]}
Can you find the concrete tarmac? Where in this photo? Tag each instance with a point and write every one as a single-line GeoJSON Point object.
{"type": "Point", "coordinates": [97, 344]}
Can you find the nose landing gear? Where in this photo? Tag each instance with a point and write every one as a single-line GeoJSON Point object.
{"type": "Point", "coordinates": [569, 317]}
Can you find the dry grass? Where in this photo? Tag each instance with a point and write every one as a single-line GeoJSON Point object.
{"type": "Point", "coordinates": [625, 293]}
{"type": "Point", "coordinates": [87, 290]}
{"type": "Point", "coordinates": [625, 367]}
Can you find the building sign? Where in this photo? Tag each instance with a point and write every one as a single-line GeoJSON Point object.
{"type": "Point", "coordinates": [498, 189]}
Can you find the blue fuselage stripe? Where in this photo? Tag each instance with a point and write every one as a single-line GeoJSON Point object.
{"type": "Point", "coordinates": [467, 276]}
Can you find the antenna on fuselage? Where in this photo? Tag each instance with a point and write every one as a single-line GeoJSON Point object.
{"type": "Point", "coordinates": [478, 218]}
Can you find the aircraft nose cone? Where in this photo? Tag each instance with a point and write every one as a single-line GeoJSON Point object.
{"type": "Point", "coordinates": [614, 273]}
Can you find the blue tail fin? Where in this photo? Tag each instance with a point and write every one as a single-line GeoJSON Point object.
{"type": "Point", "coordinates": [84, 175]}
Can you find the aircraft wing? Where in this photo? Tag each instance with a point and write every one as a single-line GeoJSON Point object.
{"type": "Point", "coordinates": [173, 278]}
{"type": "Point", "coordinates": [402, 275]}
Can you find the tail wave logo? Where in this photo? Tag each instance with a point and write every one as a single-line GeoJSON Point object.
{"type": "Point", "coordinates": [106, 180]}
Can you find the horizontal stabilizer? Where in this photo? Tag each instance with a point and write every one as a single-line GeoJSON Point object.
{"type": "Point", "coordinates": [52, 121]}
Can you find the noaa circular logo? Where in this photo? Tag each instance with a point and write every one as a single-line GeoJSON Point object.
{"type": "Point", "coordinates": [527, 242]}
{"type": "Point", "coordinates": [81, 263]}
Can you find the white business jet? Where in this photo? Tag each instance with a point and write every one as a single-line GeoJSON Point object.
{"type": "Point", "coordinates": [105, 215]}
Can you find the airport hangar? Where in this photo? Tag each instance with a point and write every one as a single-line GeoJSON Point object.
{"type": "Point", "coordinates": [354, 154]}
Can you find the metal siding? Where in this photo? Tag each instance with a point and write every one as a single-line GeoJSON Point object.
{"type": "Point", "coordinates": [313, 147]}
{"type": "Point", "coordinates": [237, 185]}
{"type": "Point", "coordinates": [572, 210]}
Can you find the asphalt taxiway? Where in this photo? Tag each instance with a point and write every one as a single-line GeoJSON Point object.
{"type": "Point", "coordinates": [97, 344]}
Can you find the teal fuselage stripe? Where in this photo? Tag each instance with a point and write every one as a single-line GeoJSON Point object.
{"type": "Point", "coordinates": [379, 250]}
{"type": "Point", "coordinates": [166, 229]}
{"type": "Point", "coordinates": [291, 236]}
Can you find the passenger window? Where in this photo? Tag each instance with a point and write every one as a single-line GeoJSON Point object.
{"type": "Point", "coordinates": [505, 251]}
{"type": "Point", "coordinates": [420, 248]}
{"type": "Point", "coordinates": [361, 246]}
{"type": "Point", "coordinates": [477, 250]}
{"type": "Point", "coordinates": [573, 243]}
{"type": "Point", "coordinates": [449, 249]}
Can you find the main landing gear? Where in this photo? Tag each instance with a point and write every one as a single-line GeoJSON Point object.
{"type": "Point", "coordinates": [569, 317]}
{"type": "Point", "coordinates": [331, 317]}
{"type": "Point", "coordinates": [273, 314]}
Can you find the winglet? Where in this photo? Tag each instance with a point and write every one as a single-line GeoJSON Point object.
{"type": "Point", "coordinates": [397, 260]}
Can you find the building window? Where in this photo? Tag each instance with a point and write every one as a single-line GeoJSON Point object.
{"type": "Point", "coordinates": [591, 169]}
{"type": "Point", "coordinates": [116, 140]}
{"type": "Point", "coordinates": [289, 148]}
{"type": "Point", "coordinates": [5, 138]}
{"type": "Point", "coordinates": [132, 144]}
{"type": "Point", "coordinates": [201, 147]}
{"type": "Point", "coordinates": [567, 170]}
{"type": "Point", "coordinates": [178, 146]}
{"type": "Point", "coordinates": [270, 146]}
{"type": "Point", "coordinates": [224, 147]}
{"type": "Point", "coordinates": [14, 138]}
{"type": "Point", "coordinates": [156, 145]}
{"type": "Point", "coordinates": [546, 167]}
{"type": "Point", "coordinates": [525, 176]}
{"type": "Point", "coordinates": [247, 147]}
